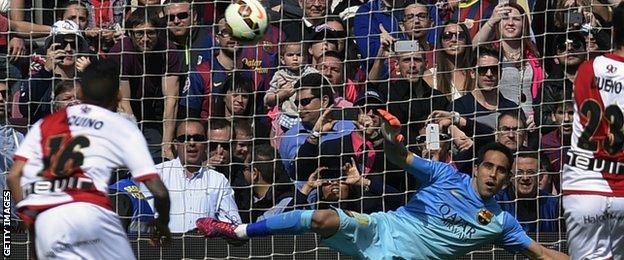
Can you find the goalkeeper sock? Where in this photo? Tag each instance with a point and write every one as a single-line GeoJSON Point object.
{"type": "Point", "coordinates": [295, 222]}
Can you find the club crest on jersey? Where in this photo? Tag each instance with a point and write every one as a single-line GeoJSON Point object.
{"type": "Point", "coordinates": [611, 69]}
{"type": "Point", "coordinates": [484, 216]}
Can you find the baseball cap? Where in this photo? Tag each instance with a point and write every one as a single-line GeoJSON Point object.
{"type": "Point", "coordinates": [66, 28]}
{"type": "Point", "coordinates": [369, 97]}
{"type": "Point", "coordinates": [327, 35]}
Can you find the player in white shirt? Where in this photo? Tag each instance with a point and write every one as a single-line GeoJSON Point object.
{"type": "Point", "coordinates": [61, 172]}
{"type": "Point", "coordinates": [196, 191]}
{"type": "Point", "coordinates": [593, 178]}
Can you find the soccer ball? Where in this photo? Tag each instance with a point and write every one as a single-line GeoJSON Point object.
{"type": "Point", "coordinates": [248, 20]}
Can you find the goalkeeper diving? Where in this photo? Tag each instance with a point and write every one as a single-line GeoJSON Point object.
{"type": "Point", "coordinates": [450, 215]}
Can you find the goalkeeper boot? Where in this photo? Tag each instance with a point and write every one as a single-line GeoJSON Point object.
{"type": "Point", "coordinates": [211, 227]}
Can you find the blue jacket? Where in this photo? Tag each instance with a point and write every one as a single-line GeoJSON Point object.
{"type": "Point", "coordinates": [142, 213]}
{"type": "Point", "coordinates": [547, 213]}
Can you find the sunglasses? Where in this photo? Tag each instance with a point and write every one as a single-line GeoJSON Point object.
{"type": "Point", "coordinates": [576, 46]}
{"type": "Point", "coordinates": [188, 138]}
{"type": "Point", "coordinates": [482, 70]}
{"type": "Point", "coordinates": [180, 16]}
{"type": "Point", "coordinates": [304, 101]}
{"type": "Point", "coordinates": [63, 43]}
{"type": "Point", "coordinates": [447, 36]}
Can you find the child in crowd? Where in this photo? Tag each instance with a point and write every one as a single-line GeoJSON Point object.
{"type": "Point", "coordinates": [280, 96]}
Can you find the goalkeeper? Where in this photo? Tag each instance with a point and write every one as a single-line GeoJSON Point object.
{"type": "Point", "coordinates": [451, 215]}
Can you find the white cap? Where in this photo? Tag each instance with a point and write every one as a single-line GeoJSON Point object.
{"type": "Point", "coordinates": [65, 27]}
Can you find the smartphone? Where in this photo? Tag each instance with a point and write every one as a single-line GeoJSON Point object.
{"type": "Point", "coordinates": [406, 46]}
{"type": "Point", "coordinates": [432, 137]}
{"type": "Point", "coordinates": [349, 113]}
{"type": "Point", "coordinates": [574, 18]}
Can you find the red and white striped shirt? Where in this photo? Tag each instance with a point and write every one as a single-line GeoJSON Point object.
{"type": "Point", "coordinates": [70, 155]}
{"type": "Point", "coordinates": [596, 164]}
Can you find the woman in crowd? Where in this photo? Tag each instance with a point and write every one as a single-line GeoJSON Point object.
{"type": "Point", "coordinates": [522, 72]}
{"type": "Point", "coordinates": [455, 59]}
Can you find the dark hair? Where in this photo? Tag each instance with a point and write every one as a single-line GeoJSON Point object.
{"type": "Point", "coordinates": [143, 16]}
{"type": "Point", "coordinates": [318, 84]}
{"type": "Point", "coordinates": [561, 98]}
{"type": "Point", "coordinates": [266, 161]}
{"type": "Point", "coordinates": [543, 162]}
{"type": "Point", "coordinates": [466, 61]}
{"type": "Point", "coordinates": [60, 11]}
{"type": "Point", "coordinates": [495, 146]}
{"type": "Point", "coordinates": [63, 86]}
{"type": "Point", "coordinates": [488, 50]}
{"type": "Point", "coordinates": [236, 82]}
{"type": "Point", "coordinates": [618, 26]}
{"type": "Point", "coordinates": [242, 125]}
{"type": "Point", "coordinates": [100, 83]}
{"type": "Point", "coordinates": [334, 54]}
{"type": "Point", "coordinates": [517, 114]}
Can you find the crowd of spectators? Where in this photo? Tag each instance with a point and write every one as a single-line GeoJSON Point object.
{"type": "Point", "coordinates": [241, 131]}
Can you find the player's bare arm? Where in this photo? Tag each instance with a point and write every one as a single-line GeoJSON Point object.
{"type": "Point", "coordinates": [13, 180]}
{"type": "Point", "coordinates": [537, 251]}
{"type": "Point", "coordinates": [161, 234]}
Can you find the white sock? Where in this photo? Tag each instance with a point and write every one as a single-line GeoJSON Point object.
{"type": "Point", "coordinates": [241, 231]}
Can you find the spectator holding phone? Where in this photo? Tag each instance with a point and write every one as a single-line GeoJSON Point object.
{"type": "Point", "coordinates": [63, 47]}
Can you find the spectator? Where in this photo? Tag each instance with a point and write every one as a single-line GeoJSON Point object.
{"type": "Point", "coordinates": [454, 61]}
{"type": "Point", "coordinates": [281, 95]}
{"type": "Point", "coordinates": [441, 155]}
{"type": "Point", "coordinates": [332, 67]}
{"type": "Point", "coordinates": [570, 54]}
{"type": "Point", "coordinates": [149, 84]}
{"type": "Point", "coordinates": [220, 158]}
{"type": "Point", "coordinates": [416, 25]}
{"type": "Point", "coordinates": [189, 39]}
{"type": "Point", "coordinates": [595, 24]}
{"type": "Point", "coordinates": [410, 98]}
{"type": "Point", "coordinates": [511, 129]}
{"type": "Point", "coordinates": [313, 98]}
{"type": "Point", "coordinates": [272, 193]}
{"type": "Point", "coordinates": [236, 100]}
{"type": "Point", "coordinates": [64, 95]}
{"type": "Point", "coordinates": [196, 191]}
{"type": "Point", "coordinates": [555, 145]}
{"type": "Point", "coordinates": [322, 42]}
{"type": "Point", "coordinates": [71, 11]}
{"type": "Point", "coordinates": [364, 145]}
{"type": "Point", "coordinates": [63, 47]}
{"type": "Point", "coordinates": [535, 209]}
{"type": "Point", "coordinates": [244, 138]}
{"type": "Point", "coordinates": [9, 137]}
{"type": "Point", "coordinates": [475, 114]}
{"type": "Point", "coordinates": [369, 20]}
{"type": "Point", "coordinates": [346, 188]}
{"type": "Point", "coordinates": [303, 27]}
{"type": "Point", "coordinates": [521, 71]}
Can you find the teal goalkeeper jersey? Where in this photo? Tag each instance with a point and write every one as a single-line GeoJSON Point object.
{"type": "Point", "coordinates": [446, 218]}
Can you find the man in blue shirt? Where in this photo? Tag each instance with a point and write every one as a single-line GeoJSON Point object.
{"type": "Point", "coordinates": [451, 215]}
{"type": "Point", "coordinates": [535, 209]}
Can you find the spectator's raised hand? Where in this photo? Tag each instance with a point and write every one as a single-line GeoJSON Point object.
{"type": "Point", "coordinates": [324, 123]}
{"type": "Point", "coordinates": [499, 12]}
{"type": "Point", "coordinates": [313, 181]}
{"type": "Point", "coordinates": [386, 41]}
{"type": "Point", "coordinates": [441, 117]}
{"type": "Point", "coordinates": [82, 63]}
{"type": "Point", "coordinates": [461, 140]}
{"type": "Point", "coordinates": [53, 56]}
{"type": "Point", "coordinates": [353, 175]}
{"type": "Point", "coordinates": [217, 158]}
{"type": "Point", "coordinates": [16, 48]}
